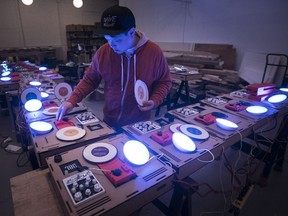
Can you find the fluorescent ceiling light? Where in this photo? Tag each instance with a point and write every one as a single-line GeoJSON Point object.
{"type": "Point", "coordinates": [27, 2]}
{"type": "Point", "coordinates": [78, 3]}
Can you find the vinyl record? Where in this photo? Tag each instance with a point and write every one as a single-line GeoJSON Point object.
{"type": "Point", "coordinates": [30, 93]}
{"type": "Point", "coordinates": [70, 133]}
{"type": "Point", "coordinates": [175, 128]}
{"type": "Point", "coordinates": [99, 152]}
{"type": "Point", "coordinates": [194, 132]}
{"type": "Point", "coordinates": [50, 111]}
{"type": "Point", "coordinates": [50, 91]}
{"type": "Point", "coordinates": [141, 92]}
{"type": "Point", "coordinates": [62, 90]}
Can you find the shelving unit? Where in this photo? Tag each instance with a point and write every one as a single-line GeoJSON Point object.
{"type": "Point", "coordinates": [82, 42]}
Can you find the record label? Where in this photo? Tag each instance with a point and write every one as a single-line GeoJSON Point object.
{"type": "Point", "coordinates": [70, 133]}
{"type": "Point", "coordinates": [141, 92]}
{"type": "Point", "coordinates": [194, 131]}
{"type": "Point", "coordinates": [100, 152]}
{"type": "Point", "coordinates": [50, 111]}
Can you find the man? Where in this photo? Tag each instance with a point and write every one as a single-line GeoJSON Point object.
{"type": "Point", "coordinates": [127, 57]}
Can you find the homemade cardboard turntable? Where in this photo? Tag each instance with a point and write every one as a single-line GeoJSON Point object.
{"type": "Point", "coordinates": [66, 134]}
{"type": "Point", "coordinates": [157, 136]}
{"type": "Point", "coordinates": [49, 110]}
{"type": "Point", "coordinates": [238, 106]}
{"type": "Point", "coordinates": [205, 116]}
{"type": "Point", "coordinates": [49, 107]}
{"type": "Point", "coordinates": [245, 96]}
{"type": "Point", "coordinates": [113, 187]}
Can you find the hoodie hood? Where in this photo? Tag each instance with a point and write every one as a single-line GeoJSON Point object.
{"type": "Point", "coordinates": [142, 40]}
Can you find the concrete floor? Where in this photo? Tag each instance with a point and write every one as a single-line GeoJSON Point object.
{"type": "Point", "coordinates": [271, 200]}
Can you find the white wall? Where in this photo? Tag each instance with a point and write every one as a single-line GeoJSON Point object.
{"type": "Point", "coordinates": [43, 23]}
{"type": "Point", "coordinates": [258, 26]}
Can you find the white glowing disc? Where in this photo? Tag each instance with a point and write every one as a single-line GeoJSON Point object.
{"type": "Point", "coordinates": [183, 142]}
{"type": "Point", "coordinates": [175, 128]}
{"type": "Point", "coordinates": [284, 89]}
{"type": "Point", "coordinates": [35, 83]}
{"type": "Point", "coordinates": [62, 90]}
{"type": "Point", "coordinates": [44, 95]}
{"type": "Point", "coordinates": [194, 131]}
{"type": "Point", "coordinates": [70, 133]}
{"type": "Point", "coordinates": [99, 152]}
{"type": "Point", "coordinates": [6, 73]}
{"type": "Point", "coordinates": [256, 110]}
{"type": "Point", "coordinates": [226, 124]}
{"type": "Point", "coordinates": [33, 105]}
{"type": "Point", "coordinates": [136, 152]}
{"type": "Point", "coordinates": [141, 92]}
{"type": "Point", "coordinates": [5, 79]}
{"type": "Point", "coordinates": [277, 98]}
{"type": "Point", "coordinates": [42, 68]}
{"type": "Point", "coordinates": [50, 111]}
{"type": "Point", "coordinates": [41, 127]}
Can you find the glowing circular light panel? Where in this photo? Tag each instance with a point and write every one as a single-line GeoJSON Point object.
{"type": "Point", "coordinates": [226, 124]}
{"type": "Point", "coordinates": [277, 98]}
{"type": "Point", "coordinates": [256, 110]}
{"type": "Point", "coordinates": [44, 95]}
{"type": "Point", "coordinates": [41, 127]}
{"type": "Point", "coordinates": [136, 152]}
{"type": "Point", "coordinates": [27, 2]}
{"type": "Point", "coordinates": [183, 142]}
{"type": "Point", "coordinates": [42, 68]}
{"type": "Point", "coordinates": [5, 78]}
{"type": "Point", "coordinates": [284, 89]}
{"type": "Point", "coordinates": [6, 73]}
{"type": "Point", "coordinates": [78, 3]}
{"type": "Point", "coordinates": [33, 105]}
{"type": "Point", "coordinates": [35, 83]}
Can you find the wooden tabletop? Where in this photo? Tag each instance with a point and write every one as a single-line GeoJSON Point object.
{"type": "Point", "coordinates": [33, 194]}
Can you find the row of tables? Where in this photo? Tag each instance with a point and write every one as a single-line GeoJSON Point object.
{"type": "Point", "coordinates": [123, 187]}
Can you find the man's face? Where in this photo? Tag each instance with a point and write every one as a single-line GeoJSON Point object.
{"type": "Point", "coordinates": [121, 42]}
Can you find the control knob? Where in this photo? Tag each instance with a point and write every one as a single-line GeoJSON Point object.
{"type": "Point", "coordinates": [78, 196]}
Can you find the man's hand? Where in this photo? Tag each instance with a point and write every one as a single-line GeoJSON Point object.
{"type": "Point", "coordinates": [147, 105]}
{"type": "Point", "coordinates": [64, 109]}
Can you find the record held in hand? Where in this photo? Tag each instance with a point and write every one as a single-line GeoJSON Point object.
{"type": "Point", "coordinates": [50, 111]}
{"type": "Point", "coordinates": [70, 133]}
{"type": "Point", "coordinates": [99, 152]}
{"type": "Point", "coordinates": [141, 92]}
{"type": "Point", "coordinates": [194, 131]}
{"type": "Point", "coordinates": [62, 90]}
